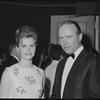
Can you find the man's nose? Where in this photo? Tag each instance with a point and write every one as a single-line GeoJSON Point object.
{"type": "Point", "coordinates": [65, 41]}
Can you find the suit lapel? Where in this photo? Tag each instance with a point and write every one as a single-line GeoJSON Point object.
{"type": "Point", "coordinates": [70, 75]}
{"type": "Point", "coordinates": [59, 71]}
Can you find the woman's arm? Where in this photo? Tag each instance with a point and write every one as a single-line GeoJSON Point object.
{"type": "Point", "coordinates": [5, 84]}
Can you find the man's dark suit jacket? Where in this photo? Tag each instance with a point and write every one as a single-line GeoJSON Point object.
{"type": "Point", "coordinates": [10, 61]}
{"type": "Point", "coordinates": [83, 80]}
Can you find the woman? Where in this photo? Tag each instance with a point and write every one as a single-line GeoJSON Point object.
{"type": "Point", "coordinates": [23, 79]}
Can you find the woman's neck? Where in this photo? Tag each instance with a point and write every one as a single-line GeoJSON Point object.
{"type": "Point", "coordinates": [25, 64]}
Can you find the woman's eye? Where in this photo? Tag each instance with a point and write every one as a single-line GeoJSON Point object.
{"type": "Point", "coordinates": [23, 45]}
{"type": "Point", "coordinates": [32, 45]}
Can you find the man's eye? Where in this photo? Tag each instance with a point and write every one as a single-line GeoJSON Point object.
{"type": "Point", "coordinates": [60, 38]}
{"type": "Point", "coordinates": [32, 45]}
{"type": "Point", "coordinates": [69, 37]}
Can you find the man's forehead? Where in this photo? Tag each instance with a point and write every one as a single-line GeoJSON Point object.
{"type": "Point", "coordinates": [67, 29]}
{"type": "Point", "coordinates": [67, 26]}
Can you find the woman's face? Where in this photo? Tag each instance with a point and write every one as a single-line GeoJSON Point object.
{"type": "Point", "coordinates": [27, 48]}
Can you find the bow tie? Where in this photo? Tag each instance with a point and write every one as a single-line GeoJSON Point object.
{"type": "Point", "coordinates": [68, 55]}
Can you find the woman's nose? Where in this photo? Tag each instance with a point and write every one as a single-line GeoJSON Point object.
{"type": "Point", "coordinates": [28, 49]}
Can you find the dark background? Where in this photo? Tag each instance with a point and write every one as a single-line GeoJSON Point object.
{"type": "Point", "coordinates": [14, 15]}
{"type": "Point", "coordinates": [37, 15]}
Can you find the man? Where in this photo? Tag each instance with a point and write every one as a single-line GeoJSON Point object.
{"type": "Point", "coordinates": [13, 58]}
{"type": "Point", "coordinates": [77, 77]}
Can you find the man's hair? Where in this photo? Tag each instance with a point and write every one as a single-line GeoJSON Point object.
{"type": "Point", "coordinates": [69, 22]}
{"type": "Point", "coordinates": [13, 51]}
{"type": "Point", "coordinates": [11, 46]}
{"type": "Point", "coordinates": [55, 52]}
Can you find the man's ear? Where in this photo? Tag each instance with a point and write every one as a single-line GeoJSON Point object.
{"type": "Point", "coordinates": [80, 36]}
{"type": "Point", "coordinates": [17, 48]}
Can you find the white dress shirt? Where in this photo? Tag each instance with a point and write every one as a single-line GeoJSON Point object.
{"type": "Point", "coordinates": [68, 67]}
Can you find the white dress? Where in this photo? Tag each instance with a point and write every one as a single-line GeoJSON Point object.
{"type": "Point", "coordinates": [25, 82]}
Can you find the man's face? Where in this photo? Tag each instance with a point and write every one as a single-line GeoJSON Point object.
{"type": "Point", "coordinates": [69, 39]}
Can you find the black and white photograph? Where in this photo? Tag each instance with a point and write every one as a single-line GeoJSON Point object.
{"type": "Point", "coordinates": [49, 49]}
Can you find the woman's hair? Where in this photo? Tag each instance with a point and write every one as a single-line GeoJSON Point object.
{"type": "Point", "coordinates": [25, 31]}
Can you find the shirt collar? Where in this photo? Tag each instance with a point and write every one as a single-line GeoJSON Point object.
{"type": "Point", "coordinates": [78, 51]}
{"type": "Point", "coordinates": [15, 57]}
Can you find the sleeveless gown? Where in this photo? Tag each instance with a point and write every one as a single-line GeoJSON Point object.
{"type": "Point", "coordinates": [25, 82]}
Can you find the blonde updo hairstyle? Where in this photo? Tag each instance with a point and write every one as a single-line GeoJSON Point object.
{"type": "Point", "coordinates": [25, 31]}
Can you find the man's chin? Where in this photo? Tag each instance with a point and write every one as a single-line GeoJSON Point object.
{"type": "Point", "coordinates": [67, 51]}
